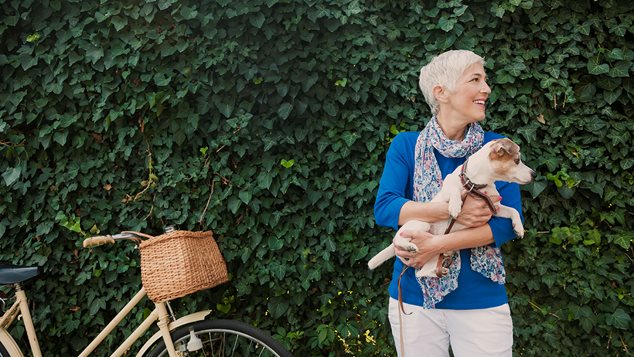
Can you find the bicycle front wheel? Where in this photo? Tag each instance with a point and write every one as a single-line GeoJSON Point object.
{"type": "Point", "coordinates": [221, 338]}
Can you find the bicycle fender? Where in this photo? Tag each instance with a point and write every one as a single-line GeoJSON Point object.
{"type": "Point", "coordinates": [196, 316]}
{"type": "Point", "coordinates": [9, 343]}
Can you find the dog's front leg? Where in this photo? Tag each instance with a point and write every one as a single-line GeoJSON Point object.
{"type": "Point", "coordinates": [455, 202]}
{"type": "Point", "coordinates": [509, 212]}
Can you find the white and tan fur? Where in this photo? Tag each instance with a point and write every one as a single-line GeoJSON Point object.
{"type": "Point", "coordinates": [498, 160]}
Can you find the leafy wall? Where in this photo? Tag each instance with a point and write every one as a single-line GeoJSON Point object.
{"type": "Point", "coordinates": [268, 122]}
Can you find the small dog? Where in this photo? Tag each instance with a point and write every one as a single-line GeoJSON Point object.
{"type": "Point", "coordinates": [498, 160]}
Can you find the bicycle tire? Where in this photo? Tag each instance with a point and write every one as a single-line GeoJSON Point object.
{"type": "Point", "coordinates": [3, 351]}
{"type": "Point", "coordinates": [220, 337]}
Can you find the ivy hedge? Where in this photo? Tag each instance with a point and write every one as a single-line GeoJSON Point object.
{"type": "Point", "coordinates": [268, 121]}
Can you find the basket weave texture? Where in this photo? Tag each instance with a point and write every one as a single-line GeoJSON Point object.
{"type": "Point", "coordinates": [179, 263]}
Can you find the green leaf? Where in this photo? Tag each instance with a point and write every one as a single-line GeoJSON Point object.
{"type": "Point", "coordinates": [278, 306]}
{"type": "Point", "coordinates": [257, 20]}
{"type": "Point", "coordinates": [275, 243]}
{"type": "Point", "coordinates": [33, 37]}
{"type": "Point", "coordinates": [245, 196]}
{"type": "Point", "coordinates": [619, 319]}
{"type": "Point", "coordinates": [623, 239]}
{"type": "Point", "coordinates": [536, 188]}
{"type": "Point", "coordinates": [11, 175]}
{"type": "Point", "coordinates": [616, 54]}
{"type": "Point", "coordinates": [447, 24]}
{"type": "Point", "coordinates": [586, 92]}
{"type": "Point", "coordinates": [27, 61]}
{"type": "Point", "coordinates": [309, 81]}
{"type": "Point", "coordinates": [60, 137]}
{"type": "Point", "coordinates": [161, 79]}
{"type": "Point", "coordinates": [119, 22]}
{"type": "Point", "coordinates": [349, 138]}
{"type": "Point", "coordinates": [164, 4]}
{"type": "Point", "coordinates": [264, 180]}
{"type": "Point", "coordinates": [94, 53]}
{"type": "Point", "coordinates": [597, 69]}
{"type": "Point", "coordinates": [234, 204]}
{"type": "Point", "coordinates": [566, 192]}
{"type": "Point", "coordinates": [330, 244]}
{"type": "Point", "coordinates": [360, 253]}
{"type": "Point", "coordinates": [287, 163]}
{"type": "Point", "coordinates": [278, 270]}
{"type": "Point", "coordinates": [188, 13]}
{"type": "Point", "coordinates": [223, 104]}
{"type": "Point", "coordinates": [620, 69]}
{"type": "Point", "coordinates": [330, 108]}
{"type": "Point", "coordinates": [611, 97]}
{"type": "Point", "coordinates": [285, 110]}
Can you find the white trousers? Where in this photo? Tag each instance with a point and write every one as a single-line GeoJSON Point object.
{"type": "Point", "coordinates": [471, 333]}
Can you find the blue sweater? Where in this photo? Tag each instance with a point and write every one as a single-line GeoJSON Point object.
{"type": "Point", "coordinates": [396, 187]}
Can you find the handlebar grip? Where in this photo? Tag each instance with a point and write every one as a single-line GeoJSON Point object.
{"type": "Point", "coordinates": [98, 240]}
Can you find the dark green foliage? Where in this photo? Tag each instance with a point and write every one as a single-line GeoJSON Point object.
{"type": "Point", "coordinates": [268, 122]}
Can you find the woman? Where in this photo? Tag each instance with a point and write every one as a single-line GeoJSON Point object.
{"type": "Point", "coordinates": [468, 309]}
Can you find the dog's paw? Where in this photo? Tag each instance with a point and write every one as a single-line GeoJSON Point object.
{"type": "Point", "coordinates": [428, 270]}
{"type": "Point", "coordinates": [454, 208]}
{"type": "Point", "coordinates": [408, 246]}
{"type": "Point", "coordinates": [519, 230]}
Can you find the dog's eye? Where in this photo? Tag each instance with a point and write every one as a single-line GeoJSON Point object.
{"type": "Point", "coordinates": [517, 161]}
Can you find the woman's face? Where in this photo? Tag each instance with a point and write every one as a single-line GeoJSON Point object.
{"type": "Point", "coordinates": [467, 102]}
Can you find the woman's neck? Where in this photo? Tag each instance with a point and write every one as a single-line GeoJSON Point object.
{"type": "Point", "coordinates": [452, 129]}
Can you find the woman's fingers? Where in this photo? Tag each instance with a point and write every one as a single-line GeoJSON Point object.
{"type": "Point", "coordinates": [475, 211]}
{"type": "Point", "coordinates": [424, 242]}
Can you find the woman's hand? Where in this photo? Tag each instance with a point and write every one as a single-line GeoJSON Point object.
{"type": "Point", "coordinates": [427, 244]}
{"type": "Point", "coordinates": [475, 212]}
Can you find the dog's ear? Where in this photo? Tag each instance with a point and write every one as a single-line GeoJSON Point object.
{"type": "Point", "coordinates": [502, 148]}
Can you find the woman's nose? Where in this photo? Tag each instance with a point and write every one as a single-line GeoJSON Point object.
{"type": "Point", "coordinates": [485, 87]}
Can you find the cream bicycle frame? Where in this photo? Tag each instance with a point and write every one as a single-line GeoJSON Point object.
{"type": "Point", "coordinates": [21, 306]}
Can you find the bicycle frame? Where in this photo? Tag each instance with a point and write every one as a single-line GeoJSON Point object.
{"type": "Point", "coordinates": [20, 306]}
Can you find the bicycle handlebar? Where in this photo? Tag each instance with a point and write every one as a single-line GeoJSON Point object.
{"type": "Point", "coordinates": [98, 240]}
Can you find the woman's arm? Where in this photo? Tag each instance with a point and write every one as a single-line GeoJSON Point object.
{"type": "Point", "coordinates": [423, 211]}
{"type": "Point", "coordinates": [395, 184]}
{"type": "Point", "coordinates": [497, 231]}
{"type": "Point", "coordinates": [430, 245]}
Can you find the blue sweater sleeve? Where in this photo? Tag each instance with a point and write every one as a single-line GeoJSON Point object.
{"type": "Point", "coordinates": [395, 187]}
{"type": "Point", "coordinates": [502, 228]}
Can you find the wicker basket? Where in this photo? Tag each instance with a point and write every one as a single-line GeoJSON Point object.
{"type": "Point", "coordinates": [179, 263]}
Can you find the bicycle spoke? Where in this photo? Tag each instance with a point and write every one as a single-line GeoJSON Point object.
{"type": "Point", "coordinates": [224, 341]}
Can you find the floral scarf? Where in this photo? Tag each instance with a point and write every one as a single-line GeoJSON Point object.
{"type": "Point", "coordinates": [485, 260]}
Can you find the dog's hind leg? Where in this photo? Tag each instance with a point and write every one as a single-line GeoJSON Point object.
{"type": "Point", "coordinates": [403, 243]}
{"type": "Point", "coordinates": [381, 257]}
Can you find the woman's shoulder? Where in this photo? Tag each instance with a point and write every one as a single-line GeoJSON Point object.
{"type": "Point", "coordinates": [490, 135]}
{"type": "Point", "coordinates": [406, 137]}
{"type": "Point", "coordinates": [404, 140]}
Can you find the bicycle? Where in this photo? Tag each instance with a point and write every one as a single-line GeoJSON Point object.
{"type": "Point", "coordinates": [191, 335]}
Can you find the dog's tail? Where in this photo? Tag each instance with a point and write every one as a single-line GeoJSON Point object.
{"type": "Point", "coordinates": [380, 258]}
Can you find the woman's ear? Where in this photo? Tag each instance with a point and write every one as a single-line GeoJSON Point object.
{"type": "Point", "coordinates": [440, 93]}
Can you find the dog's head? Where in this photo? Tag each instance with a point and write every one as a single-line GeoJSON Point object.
{"type": "Point", "coordinates": [507, 164]}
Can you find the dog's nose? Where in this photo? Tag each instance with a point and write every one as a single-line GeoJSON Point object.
{"type": "Point", "coordinates": [533, 174]}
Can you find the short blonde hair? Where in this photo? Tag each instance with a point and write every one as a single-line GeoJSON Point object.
{"type": "Point", "coordinates": [445, 70]}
